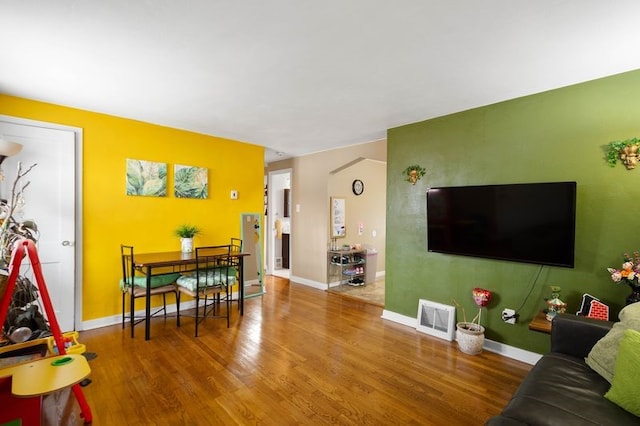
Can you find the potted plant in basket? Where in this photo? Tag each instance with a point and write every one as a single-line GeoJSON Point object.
{"type": "Point", "coordinates": [186, 233]}
{"type": "Point", "coordinates": [470, 335]}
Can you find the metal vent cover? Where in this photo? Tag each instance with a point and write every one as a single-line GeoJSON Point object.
{"type": "Point", "coordinates": [436, 319]}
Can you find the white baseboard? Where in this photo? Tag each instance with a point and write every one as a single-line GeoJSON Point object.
{"type": "Point", "coordinates": [489, 345]}
{"type": "Point", "coordinates": [117, 319]}
{"type": "Point", "coordinates": [320, 285]}
{"type": "Point", "coordinates": [315, 284]}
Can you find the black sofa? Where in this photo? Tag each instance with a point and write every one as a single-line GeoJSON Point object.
{"type": "Point", "coordinates": [561, 389]}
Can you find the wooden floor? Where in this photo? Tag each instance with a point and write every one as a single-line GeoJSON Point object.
{"type": "Point", "coordinates": [298, 356]}
{"type": "Point", "coordinates": [371, 293]}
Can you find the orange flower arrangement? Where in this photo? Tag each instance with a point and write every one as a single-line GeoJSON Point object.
{"type": "Point", "coordinates": [630, 271]}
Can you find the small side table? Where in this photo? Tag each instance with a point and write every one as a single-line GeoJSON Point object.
{"type": "Point", "coordinates": [540, 323]}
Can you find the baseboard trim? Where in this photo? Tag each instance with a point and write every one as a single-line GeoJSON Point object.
{"type": "Point", "coordinates": [489, 345]}
{"type": "Point", "coordinates": [117, 319]}
{"type": "Point", "coordinates": [320, 285]}
{"type": "Point", "coordinates": [310, 283]}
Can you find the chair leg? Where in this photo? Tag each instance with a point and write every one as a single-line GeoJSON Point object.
{"type": "Point", "coordinates": [164, 304]}
{"type": "Point", "coordinates": [228, 307]}
{"type": "Point", "coordinates": [132, 312]}
{"type": "Point", "coordinates": [197, 309]}
{"type": "Point", "coordinates": [123, 314]}
{"type": "Point", "coordinates": [177, 308]}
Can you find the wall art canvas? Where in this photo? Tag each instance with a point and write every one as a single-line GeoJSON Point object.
{"type": "Point", "coordinates": [146, 178]}
{"type": "Point", "coordinates": [338, 217]}
{"type": "Point", "coordinates": [191, 182]}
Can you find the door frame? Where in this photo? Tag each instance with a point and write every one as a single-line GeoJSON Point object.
{"type": "Point", "coordinates": [78, 246]}
{"type": "Point", "coordinates": [271, 207]}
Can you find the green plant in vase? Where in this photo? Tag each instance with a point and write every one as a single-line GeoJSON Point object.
{"type": "Point", "coordinates": [186, 233]}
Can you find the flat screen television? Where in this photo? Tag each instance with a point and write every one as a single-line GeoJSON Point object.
{"type": "Point", "coordinates": [525, 222]}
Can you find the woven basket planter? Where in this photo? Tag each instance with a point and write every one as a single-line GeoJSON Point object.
{"type": "Point", "coordinates": [470, 337]}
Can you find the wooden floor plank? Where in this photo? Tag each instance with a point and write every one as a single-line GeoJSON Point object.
{"type": "Point", "coordinates": [298, 356]}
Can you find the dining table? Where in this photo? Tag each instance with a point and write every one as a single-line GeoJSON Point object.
{"type": "Point", "coordinates": [158, 263]}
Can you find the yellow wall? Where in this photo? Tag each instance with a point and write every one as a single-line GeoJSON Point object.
{"type": "Point", "coordinates": [110, 217]}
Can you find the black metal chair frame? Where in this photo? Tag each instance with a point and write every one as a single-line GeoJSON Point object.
{"type": "Point", "coordinates": [135, 292]}
{"type": "Point", "coordinates": [236, 247]}
{"type": "Point", "coordinates": [210, 260]}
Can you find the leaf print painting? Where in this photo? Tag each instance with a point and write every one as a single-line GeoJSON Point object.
{"type": "Point", "coordinates": [146, 178]}
{"type": "Point", "coordinates": [191, 182]}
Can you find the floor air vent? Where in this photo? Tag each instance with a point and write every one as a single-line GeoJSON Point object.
{"type": "Point", "coordinates": [436, 319]}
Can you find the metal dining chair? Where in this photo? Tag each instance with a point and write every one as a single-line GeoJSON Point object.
{"type": "Point", "coordinates": [235, 247]}
{"type": "Point", "coordinates": [134, 286]}
{"type": "Point", "coordinates": [210, 283]}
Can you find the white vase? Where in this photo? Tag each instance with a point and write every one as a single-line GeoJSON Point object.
{"type": "Point", "coordinates": [470, 337]}
{"type": "Point", "coordinates": [186, 244]}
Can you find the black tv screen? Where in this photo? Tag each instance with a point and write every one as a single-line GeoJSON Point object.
{"type": "Point", "coordinates": [526, 222]}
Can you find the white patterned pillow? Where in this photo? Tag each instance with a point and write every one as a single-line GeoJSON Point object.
{"type": "Point", "coordinates": [156, 281]}
{"type": "Point", "coordinates": [602, 357]}
{"type": "Point", "coordinates": [213, 278]}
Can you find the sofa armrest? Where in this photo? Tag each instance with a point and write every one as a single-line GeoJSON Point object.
{"type": "Point", "coordinates": [575, 335]}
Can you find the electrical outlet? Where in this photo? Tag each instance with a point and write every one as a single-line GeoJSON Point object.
{"type": "Point", "coordinates": [509, 316]}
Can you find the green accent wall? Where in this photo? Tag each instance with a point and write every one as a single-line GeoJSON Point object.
{"type": "Point", "coordinates": [560, 135]}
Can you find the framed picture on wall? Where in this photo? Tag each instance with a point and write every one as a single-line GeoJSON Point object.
{"type": "Point", "coordinates": [338, 217]}
{"type": "Point", "coordinates": [146, 178]}
{"type": "Point", "coordinates": [190, 181]}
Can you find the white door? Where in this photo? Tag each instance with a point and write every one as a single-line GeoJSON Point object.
{"type": "Point", "coordinates": [50, 202]}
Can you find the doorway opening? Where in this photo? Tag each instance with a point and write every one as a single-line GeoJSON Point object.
{"type": "Point", "coordinates": [279, 217]}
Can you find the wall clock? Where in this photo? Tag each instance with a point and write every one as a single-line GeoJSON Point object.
{"type": "Point", "coordinates": [357, 187]}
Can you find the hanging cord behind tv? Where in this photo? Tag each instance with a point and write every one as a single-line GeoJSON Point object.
{"type": "Point", "coordinates": [516, 315]}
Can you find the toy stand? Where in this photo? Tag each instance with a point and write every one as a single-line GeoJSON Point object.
{"type": "Point", "coordinates": [24, 248]}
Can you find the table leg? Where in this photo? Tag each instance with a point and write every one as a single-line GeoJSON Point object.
{"type": "Point", "coordinates": [147, 314]}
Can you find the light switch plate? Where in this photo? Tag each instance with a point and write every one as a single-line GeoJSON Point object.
{"type": "Point", "coordinates": [234, 194]}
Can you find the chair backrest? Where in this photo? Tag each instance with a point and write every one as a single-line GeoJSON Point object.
{"type": "Point", "coordinates": [236, 245]}
{"type": "Point", "coordinates": [212, 265]}
{"type": "Point", "coordinates": [128, 265]}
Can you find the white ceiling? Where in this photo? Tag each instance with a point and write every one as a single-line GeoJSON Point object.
{"type": "Point", "coordinates": [302, 76]}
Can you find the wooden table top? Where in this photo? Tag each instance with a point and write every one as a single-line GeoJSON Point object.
{"type": "Point", "coordinates": [172, 258]}
{"type": "Point", "coordinates": [540, 323]}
